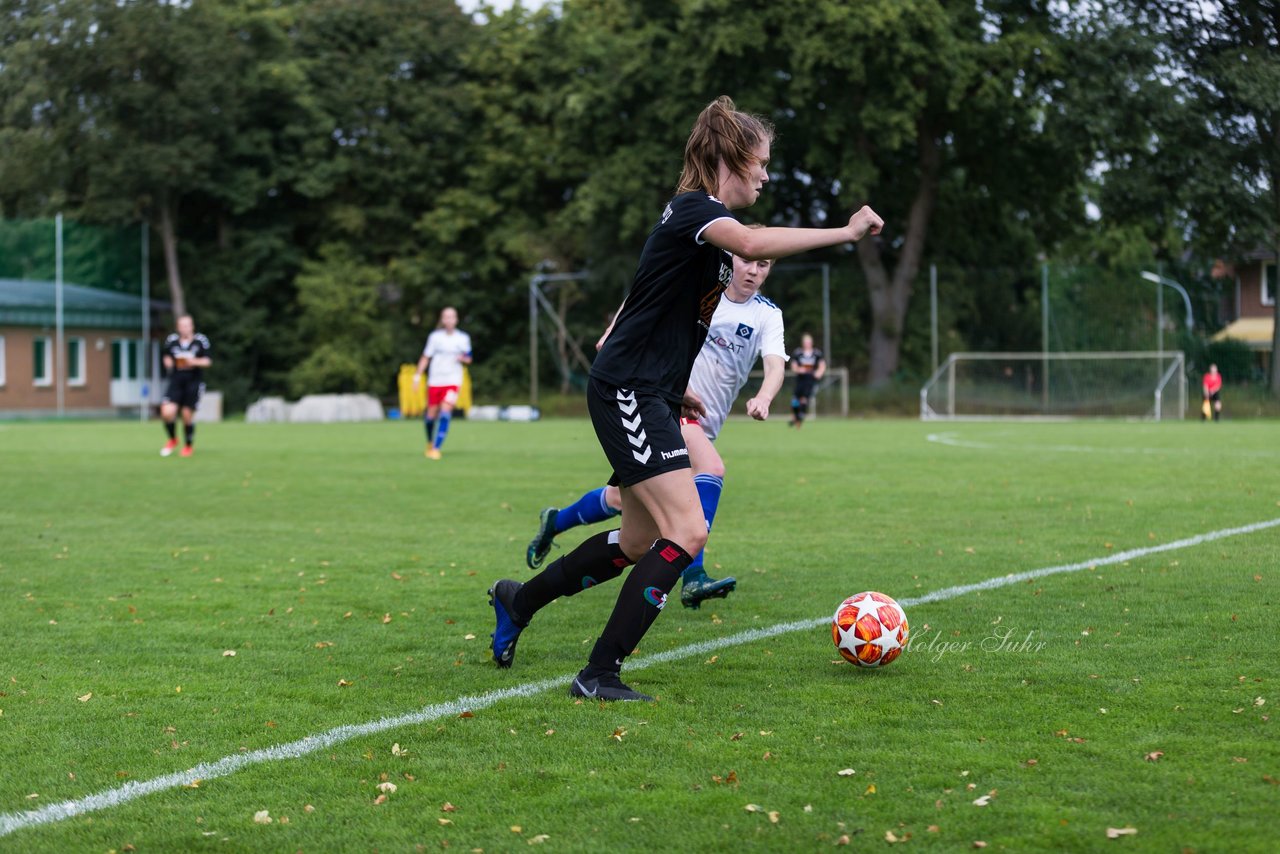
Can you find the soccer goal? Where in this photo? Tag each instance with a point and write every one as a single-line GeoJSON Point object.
{"type": "Point", "coordinates": [988, 386]}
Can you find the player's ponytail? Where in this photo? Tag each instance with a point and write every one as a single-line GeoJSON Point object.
{"type": "Point", "coordinates": [721, 132]}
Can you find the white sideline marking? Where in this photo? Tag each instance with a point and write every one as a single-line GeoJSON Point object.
{"type": "Point", "coordinates": [953, 440]}
{"type": "Point", "coordinates": [12, 822]}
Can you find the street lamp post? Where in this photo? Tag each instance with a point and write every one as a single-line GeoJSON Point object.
{"type": "Point", "coordinates": [1186, 300]}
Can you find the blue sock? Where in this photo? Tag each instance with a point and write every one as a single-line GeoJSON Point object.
{"type": "Point", "coordinates": [430, 424]}
{"type": "Point", "coordinates": [709, 487]}
{"type": "Point", "coordinates": [443, 430]}
{"type": "Point", "coordinates": [587, 510]}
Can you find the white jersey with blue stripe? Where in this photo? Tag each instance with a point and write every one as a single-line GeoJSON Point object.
{"type": "Point", "coordinates": [740, 334]}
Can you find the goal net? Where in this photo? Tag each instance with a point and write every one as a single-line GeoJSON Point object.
{"type": "Point", "coordinates": [982, 386]}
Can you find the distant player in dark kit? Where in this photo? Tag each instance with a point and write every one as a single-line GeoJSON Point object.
{"type": "Point", "coordinates": [639, 387]}
{"type": "Point", "coordinates": [185, 356]}
{"type": "Point", "coordinates": [809, 366]}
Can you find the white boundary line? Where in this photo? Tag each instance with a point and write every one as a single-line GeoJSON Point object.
{"type": "Point", "coordinates": [12, 822]}
{"type": "Point", "coordinates": [953, 440]}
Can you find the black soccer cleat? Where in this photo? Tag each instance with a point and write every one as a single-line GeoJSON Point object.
{"type": "Point", "coordinates": [606, 686]}
{"type": "Point", "coordinates": [693, 593]}
{"type": "Point", "coordinates": [508, 628]}
{"type": "Point", "coordinates": [540, 546]}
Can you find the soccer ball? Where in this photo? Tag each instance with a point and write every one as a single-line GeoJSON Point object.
{"type": "Point", "coordinates": [869, 629]}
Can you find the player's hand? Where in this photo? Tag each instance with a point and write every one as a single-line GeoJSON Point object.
{"type": "Point", "coordinates": [758, 408]}
{"type": "Point", "coordinates": [864, 222]}
{"type": "Point", "coordinates": [692, 406]}
{"type": "Point", "coordinates": [417, 378]}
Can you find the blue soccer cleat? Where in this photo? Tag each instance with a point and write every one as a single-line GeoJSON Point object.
{"type": "Point", "coordinates": [508, 628]}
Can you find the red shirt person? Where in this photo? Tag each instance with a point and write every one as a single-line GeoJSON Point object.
{"type": "Point", "coordinates": [1212, 385]}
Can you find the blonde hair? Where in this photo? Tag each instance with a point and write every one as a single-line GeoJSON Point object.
{"type": "Point", "coordinates": [721, 132]}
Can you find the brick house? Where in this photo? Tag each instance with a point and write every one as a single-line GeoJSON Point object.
{"type": "Point", "coordinates": [1251, 308]}
{"type": "Point", "coordinates": [100, 371]}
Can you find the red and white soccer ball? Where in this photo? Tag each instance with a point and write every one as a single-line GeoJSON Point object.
{"type": "Point", "coordinates": [870, 629]}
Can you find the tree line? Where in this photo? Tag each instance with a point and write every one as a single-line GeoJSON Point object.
{"type": "Point", "coordinates": [322, 176]}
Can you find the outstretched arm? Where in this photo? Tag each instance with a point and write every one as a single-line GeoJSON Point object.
{"type": "Point", "coordinates": [774, 370]}
{"type": "Point", "coordinates": [759, 244]}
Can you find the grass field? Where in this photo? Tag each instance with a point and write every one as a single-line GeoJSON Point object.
{"type": "Point", "coordinates": [348, 576]}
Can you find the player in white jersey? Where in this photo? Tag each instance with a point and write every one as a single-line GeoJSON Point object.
{"type": "Point", "coordinates": [448, 348]}
{"type": "Point", "coordinates": [746, 326]}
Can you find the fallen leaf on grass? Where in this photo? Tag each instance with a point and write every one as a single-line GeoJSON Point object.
{"type": "Point", "coordinates": [539, 839]}
{"type": "Point", "coordinates": [618, 734]}
{"type": "Point", "coordinates": [753, 808]}
{"type": "Point", "coordinates": [448, 807]}
{"type": "Point", "coordinates": [262, 817]}
{"type": "Point", "coordinates": [468, 636]}
{"type": "Point", "coordinates": [737, 736]}
{"type": "Point", "coordinates": [386, 618]}
{"type": "Point", "coordinates": [982, 801]}
{"type": "Point", "coordinates": [381, 799]}
{"type": "Point", "coordinates": [933, 828]}
{"type": "Point", "coordinates": [843, 839]}
{"type": "Point", "coordinates": [387, 787]}
{"type": "Point", "coordinates": [308, 809]}
{"type": "Point", "coordinates": [228, 653]}
{"type": "Point", "coordinates": [467, 715]}
{"type": "Point", "coordinates": [343, 683]}
{"type": "Point", "coordinates": [846, 772]}
{"type": "Point", "coordinates": [1239, 759]}
{"type": "Point", "coordinates": [978, 843]}
{"type": "Point", "coordinates": [85, 697]}
{"type": "Point", "coordinates": [33, 796]}
{"type": "Point", "coordinates": [1117, 832]}
{"type": "Point", "coordinates": [871, 790]}
{"type": "Point", "coordinates": [1154, 756]}
{"type": "Point", "coordinates": [515, 828]}
{"type": "Point", "coordinates": [445, 821]}
{"type": "Point", "coordinates": [397, 750]}
{"type": "Point", "coordinates": [773, 816]}
{"type": "Point", "coordinates": [1258, 701]}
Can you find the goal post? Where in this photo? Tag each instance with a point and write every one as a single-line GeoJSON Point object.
{"type": "Point", "coordinates": [1149, 385]}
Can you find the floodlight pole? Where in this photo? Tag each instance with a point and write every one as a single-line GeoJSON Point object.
{"type": "Point", "coordinates": [144, 348]}
{"type": "Point", "coordinates": [1158, 279]}
{"type": "Point", "coordinates": [534, 283]}
{"type": "Point", "coordinates": [933, 314]}
{"type": "Point", "coordinates": [59, 327]}
{"type": "Point", "coordinates": [1044, 337]}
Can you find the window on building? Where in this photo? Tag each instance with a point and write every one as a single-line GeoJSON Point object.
{"type": "Point", "coordinates": [42, 361]}
{"type": "Point", "coordinates": [124, 359]}
{"type": "Point", "coordinates": [1269, 283]}
{"type": "Point", "coordinates": [1, 361]}
{"type": "Point", "coordinates": [75, 361]}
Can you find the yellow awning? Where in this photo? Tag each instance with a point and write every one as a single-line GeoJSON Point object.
{"type": "Point", "coordinates": [1254, 331]}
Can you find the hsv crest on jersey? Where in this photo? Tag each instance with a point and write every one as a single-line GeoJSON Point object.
{"type": "Point", "coordinates": [744, 331]}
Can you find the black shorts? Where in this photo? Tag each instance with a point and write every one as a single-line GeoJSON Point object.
{"type": "Point", "coordinates": [804, 385]}
{"type": "Point", "coordinates": [184, 390]}
{"type": "Point", "coordinates": [639, 432]}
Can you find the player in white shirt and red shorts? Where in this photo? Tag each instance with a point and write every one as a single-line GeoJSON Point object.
{"type": "Point", "coordinates": [745, 326]}
{"type": "Point", "coordinates": [447, 350]}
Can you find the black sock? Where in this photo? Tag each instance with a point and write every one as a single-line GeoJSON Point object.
{"type": "Point", "coordinates": [641, 599]}
{"type": "Point", "coordinates": [804, 410]}
{"type": "Point", "coordinates": [598, 559]}
{"type": "Point", "coordinates": [189, 433]}
{"type": "Point", "coordinates": [431, 429]}
{"type": "Point", "coordinates": [171, 429]}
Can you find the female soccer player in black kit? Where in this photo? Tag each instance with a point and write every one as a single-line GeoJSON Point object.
{"type": "Point", "coordinates": [639, 383]}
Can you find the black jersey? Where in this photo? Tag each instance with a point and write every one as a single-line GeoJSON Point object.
{"type": "Point", "coordinates": [805, 363]}
{"type": "Point", "coordinates": [198, 347]}
{"type": "Point", "coordinates": [667, 314]}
